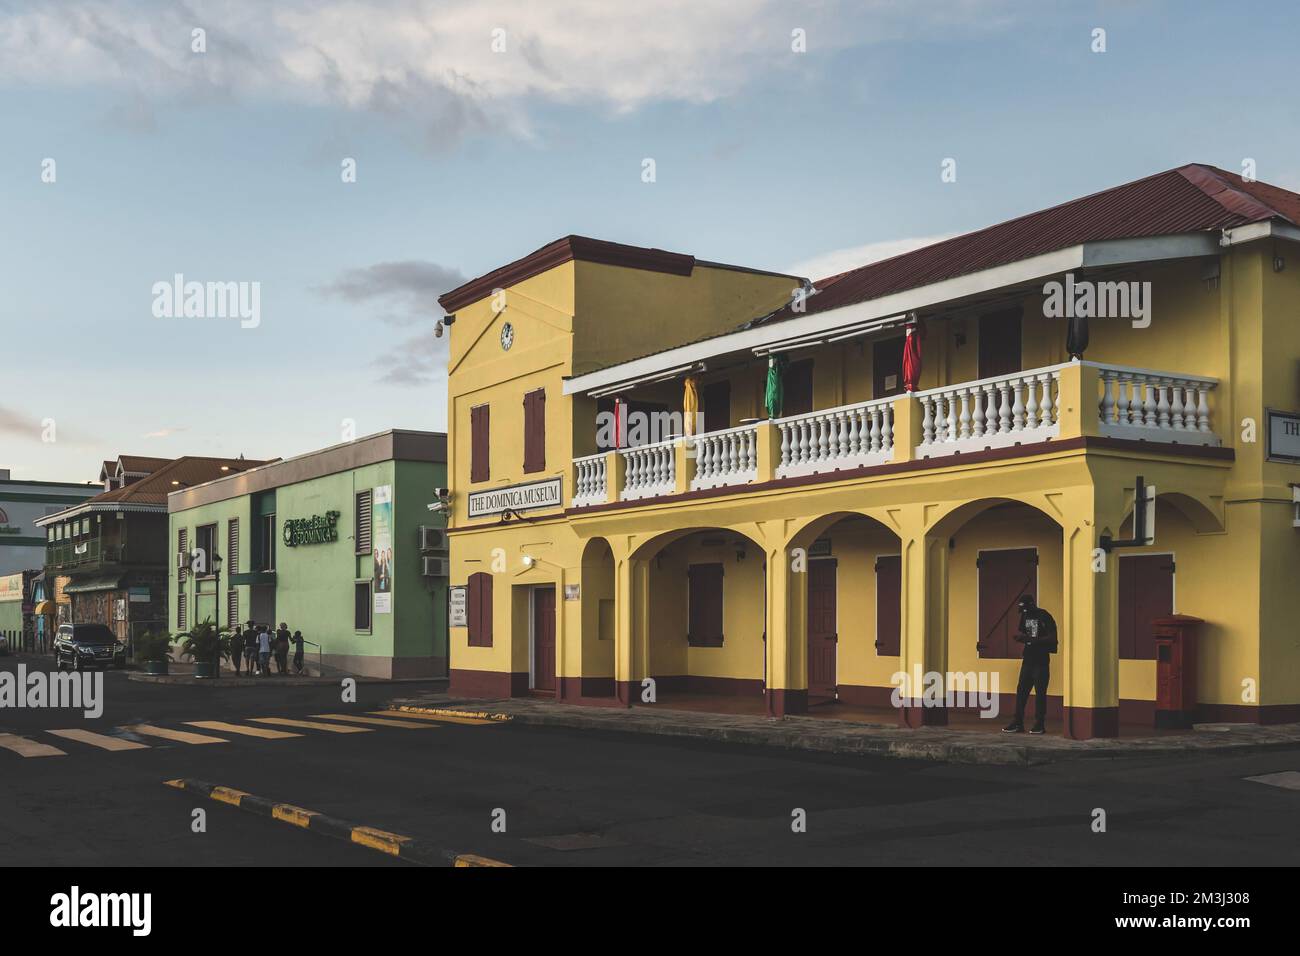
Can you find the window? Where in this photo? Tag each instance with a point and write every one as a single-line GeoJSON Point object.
{"type": "Point", "coordinates": [182, 548]}
{"type": "Point", "coordinates": [232, 607]}
{"type": "Point", "coordinates": [361, 521]}
{"type": "Point", "coordinates": [181, 601]}
{"type": "Point", "coordinates": [1003, 577]}
{"type": "Point", "coordinates": [265, 556]}
{"type": "Point", "coordinates": [361, 606]}
{"type": "Point", "coordinates": [205, 540]}
{"type": "Point", "coordinates": [479, 599]}
{"type": "Point", "coordinates": [1146, 592]}
{"type": "Point", "coordinates": [889, 599]}
{"type": "Point", "coordinates": [535, 430]}
{"type": "Point", "coordinates": [479, 465]}
{"type": "Point", "coordinates": [704, 605]}
{"type": "Point", "coordinates": [798, 382]}
{"type": "Point", "coordinates": [232, 547]}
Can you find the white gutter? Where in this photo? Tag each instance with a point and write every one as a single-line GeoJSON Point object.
{"type": "Point", "coordinates": [102, 506]}
{"type": "Point", "coordinates": [824, 325]}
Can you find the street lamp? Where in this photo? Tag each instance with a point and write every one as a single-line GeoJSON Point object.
{"type": "Point", "coordinates": [216, 600]}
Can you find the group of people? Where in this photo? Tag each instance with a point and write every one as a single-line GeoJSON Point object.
{"type": "Point", "coordinates": [260, 644]}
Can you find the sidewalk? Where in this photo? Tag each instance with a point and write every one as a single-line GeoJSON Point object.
{"type": "Point", "coordinates": [844, 737]}
{"type": "Point", "coordinates": [182, 672]}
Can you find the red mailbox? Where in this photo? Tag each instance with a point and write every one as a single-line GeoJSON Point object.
{"type": "Point", "coordinates": [1176, 669]}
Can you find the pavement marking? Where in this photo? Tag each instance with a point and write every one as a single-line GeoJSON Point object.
{"type": "Point", "coordinates": [98, 740]}
{"type": "Point", "coordinates": [237, 729]}
{"type": "Point", "coordinates": [378, 721]}
{"type": "Point", "coordinates": [447, 718]}
{"type": "Point", "coordinates": [394, 844]}
{"type": "Point", "coordinates": [28, 748]}
{"type": "Point", "coordinates": [1287, 779]}
{"type": "Point", "coordinates": [479, 716]}
{"type": "Point", "coordinates": [181, 736]}
{"type": "Point", "coordinates": [310, 725]}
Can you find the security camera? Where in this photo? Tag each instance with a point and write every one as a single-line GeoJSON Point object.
{"type": "Point", "coordinates": [437, 507]}
{"type": "Point", "coordinates": [442, 493]}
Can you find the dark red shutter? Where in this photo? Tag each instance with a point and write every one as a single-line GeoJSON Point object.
{"type": "Point", "coordinates": [704, 602]}
{"type": "Point", "coordinates": [1003, 577]}
{"type": "Point", "coordinates": [1146, 592]}
{"type": "Point", "coordinates": [479, 599]}
{"type": "Point", "coordinates": [479, 468]}
{"type": "Point", "coordinates": [798, 382]}
{"type": "Point", "coordinates": [889, 599]}
{"type": "Point", "coordinates": [535, 431]}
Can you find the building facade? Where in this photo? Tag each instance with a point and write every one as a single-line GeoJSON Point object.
{"type": "Point", "coordinates": [22, 543]}
{"type": "Point", "coordinates": [810, 489]}
{"type": "Point", "coordinates": [108, 555]}
{"type": "Point", "coordinates": [329, 543]}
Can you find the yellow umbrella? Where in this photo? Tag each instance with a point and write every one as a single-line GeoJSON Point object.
{"type": "Point", "coordinates": [44, 607]}
{"type": "Point", "coordinates": [690, 405]}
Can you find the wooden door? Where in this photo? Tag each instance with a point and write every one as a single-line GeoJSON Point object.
{"type": "Point", "coordinates": [887, 367]}
{"type": "Point", "coordinates": [999, 345]}
{"type": "Point", "coordinates": [889, 600]}
{"type": "Point", "coordinates": [798, 388]}
{"type": "Point", "coordinates": [1146, 592]}
{"type": "Point", "coordinates": [544, 639]}
{"type": "Point", "coordinates": [715, 402]}
{"type": "Point", "coordinates": [1003, 577]}
{"type": "Point", "coordinates": [822, 635]}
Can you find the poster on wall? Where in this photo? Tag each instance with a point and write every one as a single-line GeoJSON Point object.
{"type": "Point", "coordinates": [383, 544]}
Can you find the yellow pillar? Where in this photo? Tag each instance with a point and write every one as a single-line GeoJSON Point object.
{"type": "Point", "coordinates": [923, 645]}
{"type": "Point", "coordinates": [1080, 391]}
{"type": "Point", "coordinates": [768, 450]}
{"type": "Point", "coordinates": [1088, 635]}
{"type": "Point", "coordinates": [614, 475]}
{"type": "Point", "coordinates": [907, 427]}
{"type": "Point", "coordinates": [683, 466]}
{"type": "Point", "coordinates": [787, 622]}
{"type": "Point", "coordinates": [624, 627]}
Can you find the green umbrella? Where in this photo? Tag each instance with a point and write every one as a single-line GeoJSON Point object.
{"type": "Point", "coordinates": [774, 397]}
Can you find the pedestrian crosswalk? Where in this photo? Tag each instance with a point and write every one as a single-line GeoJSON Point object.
{"type": "Point", "coordinates": [131, 737]}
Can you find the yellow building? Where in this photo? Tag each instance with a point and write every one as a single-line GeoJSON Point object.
{"type": "Point", "coordinates": [613, 550]}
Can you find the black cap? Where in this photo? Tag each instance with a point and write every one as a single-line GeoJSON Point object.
{"type": "Point", "coordinates": [1026, 600]}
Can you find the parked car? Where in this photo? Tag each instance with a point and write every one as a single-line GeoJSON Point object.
{"type": "Point", "coordinates": [4, 646]}
{"type": "Point", "coordinates": [83, 646]}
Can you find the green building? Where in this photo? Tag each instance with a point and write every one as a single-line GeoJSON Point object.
{"type": "Point", "coordinates": [337, 543]}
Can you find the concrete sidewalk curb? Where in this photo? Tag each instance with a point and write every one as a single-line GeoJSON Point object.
{"type": "Point", "coordinates": [226, 681]}
{"type": "Point", "coordinates": [821, 735]}
{"type": "Point", "coordinates": [394, 844]}
{"type": "Point", "coordinates": [454, 712]}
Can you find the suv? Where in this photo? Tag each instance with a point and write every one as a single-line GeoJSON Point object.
{"type": "Point", "coordinates": [82, 646]}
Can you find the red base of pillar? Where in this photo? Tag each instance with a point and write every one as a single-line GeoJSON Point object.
{"type": "Point", "coordinates": [1084, 723]}
{"type": "Point", "coordinates": [914, 715]}
{"type": "Point", "coordinates": [781, 702]}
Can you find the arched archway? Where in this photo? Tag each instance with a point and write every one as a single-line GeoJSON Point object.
{"type": "Point", "coordinates": [596, 589]}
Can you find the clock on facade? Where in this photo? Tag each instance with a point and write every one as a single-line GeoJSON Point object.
{"type": "Point", "coordinates": [507, 335]}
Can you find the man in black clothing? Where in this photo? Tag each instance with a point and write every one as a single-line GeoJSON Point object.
{"type": "Point", "coordinates": [1038, 634]}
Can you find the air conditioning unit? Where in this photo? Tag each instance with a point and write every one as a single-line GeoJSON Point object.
{"type": "Point", "coordinates": [182, 560]}
{"type": "Point", "coordinates": [436, 567]}
{"type": "Point", "coordinates": [433, 539]}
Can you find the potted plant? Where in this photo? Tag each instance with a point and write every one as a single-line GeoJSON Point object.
{"type": "Point", "coordinates": [203, 646]}
{"type": "Point", "coordinates": [153, 651]}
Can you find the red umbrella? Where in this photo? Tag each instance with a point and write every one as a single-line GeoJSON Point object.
{"type": "Point", "coordinates": [912, 358]}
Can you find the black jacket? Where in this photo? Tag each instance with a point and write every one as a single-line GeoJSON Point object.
{"type": "Point", "coordinates": [1039, 631]}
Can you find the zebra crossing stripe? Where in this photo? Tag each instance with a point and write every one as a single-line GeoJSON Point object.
{"type": "Point", "coordinates": [28, 748]}
{"type": "Point", "coordinates": [311, 725]}
{"type": "Point", "coordinates": [167, 733]}
{"type": "Point", "coordinates": [264, 732]}
{"type": "Point", "coordinates": [101, 741]}
{"type": "Point", "coordinates": [377, 721]}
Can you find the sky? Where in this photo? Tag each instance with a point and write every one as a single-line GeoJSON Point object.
{"type": "Point", "coordinates": [140, 141]}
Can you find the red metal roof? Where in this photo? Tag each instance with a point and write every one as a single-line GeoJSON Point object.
{"type": "Point", "coordinates": [1191, 198]}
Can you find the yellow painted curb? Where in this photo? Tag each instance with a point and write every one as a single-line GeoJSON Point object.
{"type": "Point", "coordinates": [228, 795]}
{"type": "Point", "coordinates": [450, 712]}
{"type": "Point", "coordinates": [291, 814]}
{"type": "Point", "coordinates": [379, 839]}
{"type": "Point", "coordinates": [470, 859]}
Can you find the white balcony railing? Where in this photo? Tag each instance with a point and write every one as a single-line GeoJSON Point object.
{"type": "Point", "coordinates": [590, 481]}
{"type": "Point", "coordinates": [1013, 409]}
{"type": "Point", "coordinates": [846, 437]}
{"type": "Point", "coordinates": [726, 457]}
{"type": "Point", "coordinates": [649, 470]}
{"type": "Point", "coordinates": [1156, 406]}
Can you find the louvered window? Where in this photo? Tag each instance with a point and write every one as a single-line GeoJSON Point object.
{"type": "Point", "coordinates": [362, 521]}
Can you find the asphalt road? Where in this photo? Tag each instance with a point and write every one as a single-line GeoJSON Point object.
{"type": "Point", "coordinates": [578, 798]}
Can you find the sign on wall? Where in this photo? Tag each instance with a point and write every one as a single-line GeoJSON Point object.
{"type": "Point", "coordinates": [458, 606]}
{"type": "Point", "coordinates": [318, 529]}
{"type": "Point", "coordinates": [1284, 436]}
{"type": "Point", "coordinates": [533, 494]}
{"type": "Point", "coordinates": [382, 510]}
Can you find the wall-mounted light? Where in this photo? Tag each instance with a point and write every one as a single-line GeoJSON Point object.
{"type": "Point", "coordinates": [1278, 263]}
{"type": "Point", "coordinates": [529, 561]}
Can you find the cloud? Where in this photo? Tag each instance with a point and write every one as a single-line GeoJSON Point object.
{"type": "Point", "coordinates": [835, 261]}
{"type": "Point", "coordinates": [165, 432]}
{"type": "Point", "coordinates": [452, 67]}
{"type": "Point", "coordinates": [405, 294]}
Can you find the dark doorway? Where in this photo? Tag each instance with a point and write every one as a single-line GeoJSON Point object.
{"type": "Point", "coordinates": [889, 600]}
{"type": "Point", "coordinates": [1003, 577]}
{"type": "Point", "coordinates": [798, 388]}
{"type": "Point", "coordinates": [1146, 592]}
{"type": "Point", "coordinates": [544, 639]}
{"type": "Point", "coordinates": [887, 367]}
{"type": "Point", "coordinates": [999, 344]}
{"type": "Point", "coordinates": [822, 635]}
{"type": "Point", "coordinates": [715, 403]}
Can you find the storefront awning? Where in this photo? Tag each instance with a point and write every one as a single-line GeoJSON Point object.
{"type": "Point", "coordinates": [100, 582]}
